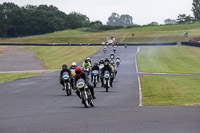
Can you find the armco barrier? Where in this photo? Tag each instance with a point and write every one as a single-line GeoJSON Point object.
{"type": "Point", "coordinates": [145, 44]}
{"type": "Point", "coordinates": [190, 44]}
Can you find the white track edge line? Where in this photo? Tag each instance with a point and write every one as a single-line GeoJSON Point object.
{"type": "Point", "coordinates": [139, 82]}
{"type": "Point", "coordinates": [140, 91]}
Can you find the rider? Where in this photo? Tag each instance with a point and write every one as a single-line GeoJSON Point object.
{"type": "Point", "coordinates": [108, 68]}
{"type": "Point", "coordinates": [112, 58]}
{"type": "Point", "coordinates": [107, 60]}
{"type": "Point", "coordinates": [86, 62]}
{"type": "Point", "coordinates": [95, 67]}
{"type": "Point", "coordinates": [101, 61]}
{"type": "Point", "coordinates": [114, 49]}
{"type": "Point", "coordinates": [89, 60]}
{"type": "Point", "coordinates": [64, 69]}
{"type": "Point", "coordinates": [125, 45]}
{"type": "Point", "coordinates": [112, 64]}
{"type": "Point", "coordinates": [118, 59]}
{"type": "Point", "coordinates": [73, 65]}
{"type": "Point", "coordinates": [80, 74]}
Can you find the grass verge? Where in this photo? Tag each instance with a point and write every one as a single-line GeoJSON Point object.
{"type": "Point", "coordinates": [12, 76]}
{"type": "Point", "coordinates": [170, 90]}
{"type": "Point", "coordinates": [54, 57]}
{"type": "Point", "coordinates": [169, 59]}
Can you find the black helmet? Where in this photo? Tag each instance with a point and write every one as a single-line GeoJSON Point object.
{"type": "Point", "coordinates": [95, 64]}
{"type": "Point", "coordinates": [86, 61]}
{"type": "Point", "coordinates": [64, 67]}
{"type": "Point", "coordinates": [112, 56]}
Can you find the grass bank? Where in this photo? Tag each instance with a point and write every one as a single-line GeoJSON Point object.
{"type": "Point", "coordinates": [169, 59]}
{"type": "Point", "coordinates": [12, 76]}
{"type": "Point", "coordinates": [144, 34]}
{"type": "Point", "coordinates": [170, 90]}
{"type": "Point", "coordinates": [54, 57]}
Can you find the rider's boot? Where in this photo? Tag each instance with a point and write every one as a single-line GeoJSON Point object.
{"type": "Point", "coordinates": [111, 81]}
{"type": "Point", "coordinates": [102, 84]}
{"type": "Point", "coordinates": [78, 94]}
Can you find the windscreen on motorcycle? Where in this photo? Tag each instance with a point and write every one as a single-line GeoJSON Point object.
{"type": "Point", "coordinates": [117, 60]}
{"type": "Point", "coordinates": [65, 75]}
{"type": "Point", "coordinates": [95, 72]}
{"type": "Point", "coordinates": [73, 72]}
{"type": "Point", "coordinates": [86, 68]}
{"type": "Point", "coordinates": [80, 83]}
{"type": "Point", "coordinates": [106, 74]}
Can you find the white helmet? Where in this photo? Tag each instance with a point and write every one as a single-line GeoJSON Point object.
{"type": "Point", "coordinates": [88, 58]}
{"type": "Point", "coordinates": [74, 64]}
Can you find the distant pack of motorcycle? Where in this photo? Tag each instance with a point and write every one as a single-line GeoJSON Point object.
{"type": "Point", "coordinates": [82, 88]}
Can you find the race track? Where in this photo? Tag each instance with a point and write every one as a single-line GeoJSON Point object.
{"type": "Point", "coordinates": [38, 105]}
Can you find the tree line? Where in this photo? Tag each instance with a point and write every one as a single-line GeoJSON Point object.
{"type": "Point", "coordinates": [32, 20]}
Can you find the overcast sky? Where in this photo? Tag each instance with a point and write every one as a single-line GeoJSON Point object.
{"type": "Point", "coordinates": [142, 11]}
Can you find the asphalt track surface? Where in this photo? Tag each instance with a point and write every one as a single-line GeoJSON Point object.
{"type": "Point", "coordinates": [38, 105]}
{"type": "Point", "coordinates": [16, 58]}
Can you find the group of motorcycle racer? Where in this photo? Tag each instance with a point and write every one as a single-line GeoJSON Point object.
{"type": "Point", "coordinates": [76, 72]}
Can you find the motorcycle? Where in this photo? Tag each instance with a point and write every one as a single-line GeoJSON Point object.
{"type": "Point", "coordinates": [85, 93]}
{"type": "Point", "coordinates": [114, 50]}
{"type": "Point", "coordinates": [118, 62]}
{"type": "Point", "coordinates": [67, 86]}
{"type": "Point", "coordinates": [104, 50]}
{"type": "Point", "coordinates": [107, 80]}
{"type": "Point", "coordinates": [114, 71]}
{"type": "Point", "coordinates": [95, 74]}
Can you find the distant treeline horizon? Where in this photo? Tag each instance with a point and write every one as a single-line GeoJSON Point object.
{"type": "Point", "coordinates": [28, 20]}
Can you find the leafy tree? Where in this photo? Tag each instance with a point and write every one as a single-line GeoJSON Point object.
{"type": "Point", "coordinates": [117, 20]}
{"type": "Point", "coordinates": [153, 23]}
{"type": "Point", "coordinates": [113, 19]}
{"type": "Point", "coordinates": [10, 19]}
{"type": "Point", "coordinates": [31, 20]}
{"type": "Point", "coordinates": [196, 9]}
{"type": "Point", "coordinates": [96, 23]}
{"type": "Point", "coordinates": [183, 18]}
{"type": "Point", "coordinates": [77, 20]}
{"type": "Point", "coordinates": [126, 20]}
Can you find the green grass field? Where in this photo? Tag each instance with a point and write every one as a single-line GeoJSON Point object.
{"type": "Point", "coordinates": [145, 34]}
{"type": "Point", "coordinates": [12, 76]}
{"type": "Point", "coordinates": [169, 59]}
{"type": "Point", "coordinates": [54, 56]}
{"type": "Point", "coordinates": [170, 90]}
